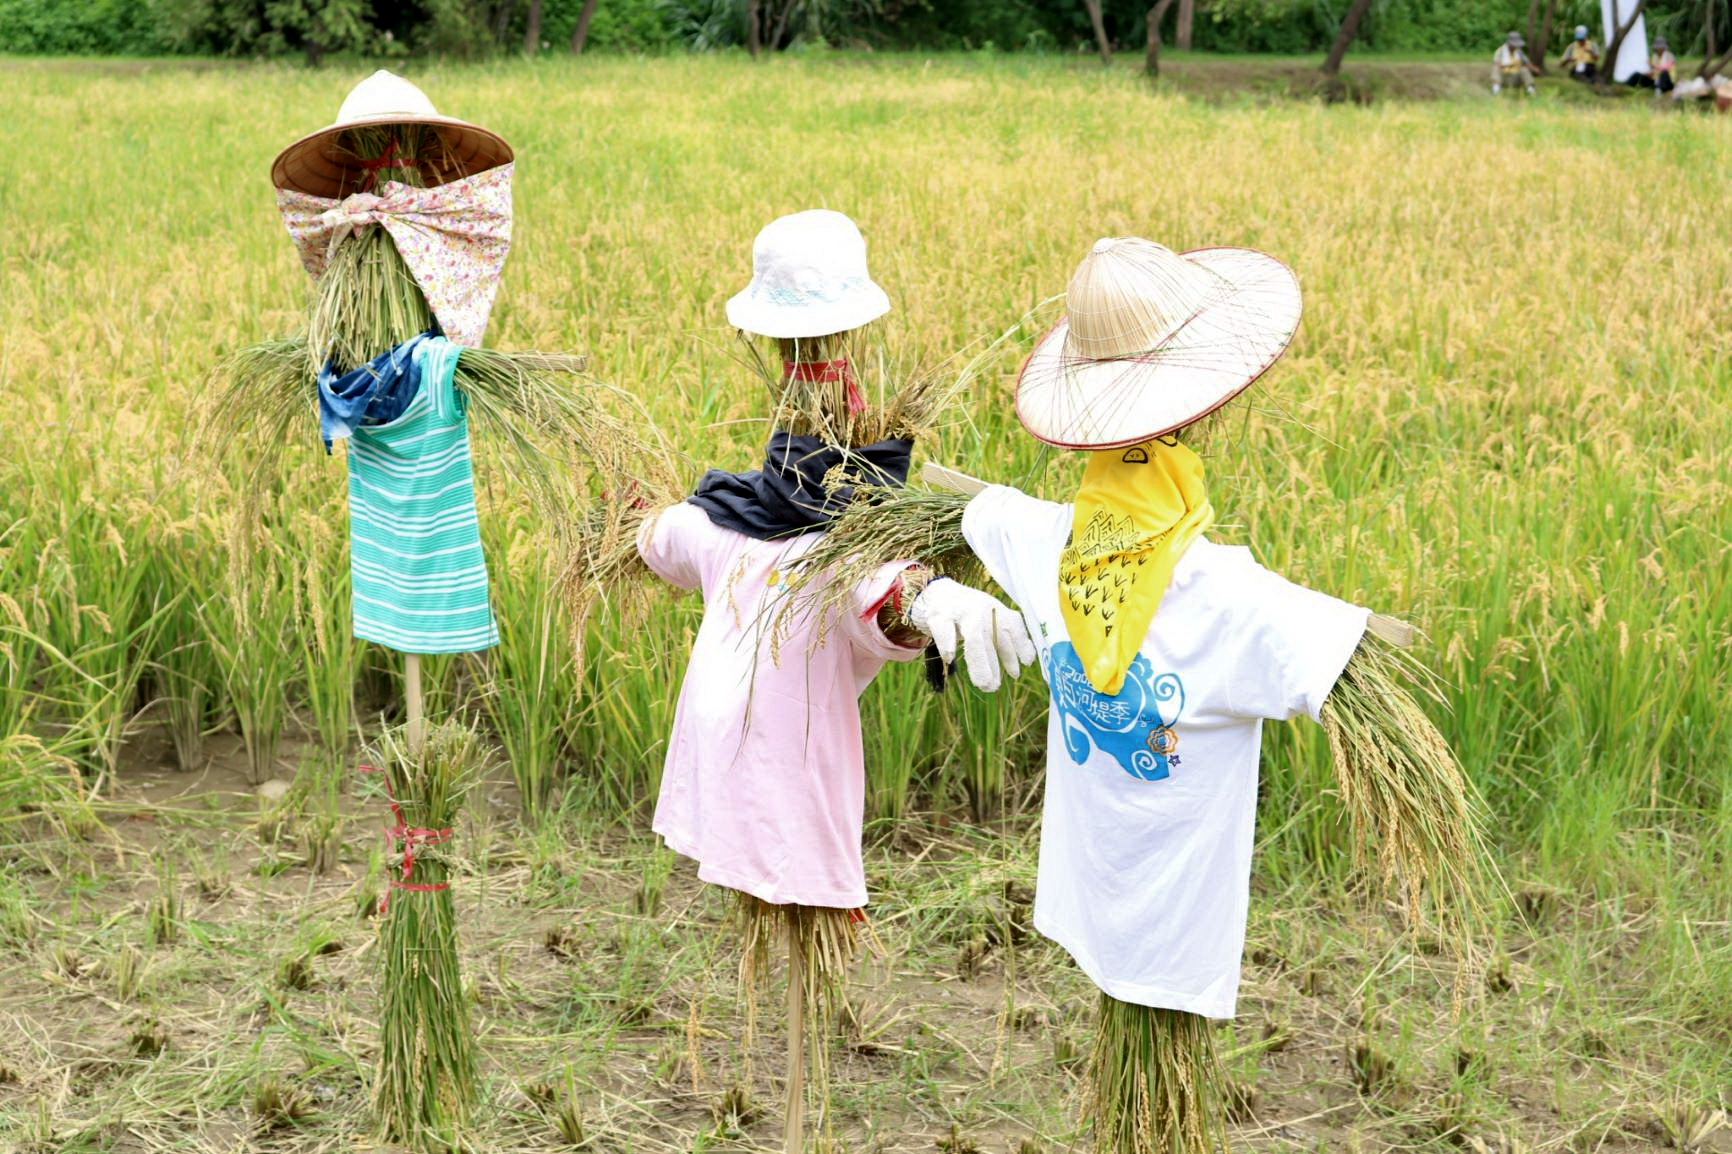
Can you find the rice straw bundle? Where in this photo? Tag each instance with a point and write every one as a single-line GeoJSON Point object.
{"type": "Point", "coordinates": [821, 944]}
{"type": "Point", "coordinates": [1155, 1085]}
{"type": "Point", "coordinates": [1408, 802]}
{"type": "Point", "coordinates": [426, 1083]}
{"type": "Point", "coordinates": [882, 524]}
{"type": "Point", "coordinates": [902, 399]}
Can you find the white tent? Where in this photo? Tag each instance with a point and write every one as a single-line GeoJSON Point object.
{"type": "Point", "coordinates": [1633, 56]}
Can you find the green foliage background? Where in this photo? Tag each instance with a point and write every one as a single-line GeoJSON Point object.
{"type": "Point", "coordinates": [473, 28]}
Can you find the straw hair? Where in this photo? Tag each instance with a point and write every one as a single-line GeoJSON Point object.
{"type": "Point", "coordinates": [1153, 341]}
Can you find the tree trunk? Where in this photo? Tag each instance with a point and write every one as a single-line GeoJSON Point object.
{"type": "Point", "coordinates": [1344, 38]}
{"type": "Point", "coordinates": [1152, 61]}
{"type": "Point", "coordinates": [1545, 35]}
{"type": "Point", "coordinates": [781, 25]}
{"type": "Point", "coordinates": [580, 34]}
{"type": "Point", "coordinates": [1709, 65]}
{"type": "Point", "coordinates": [502, 19]}
{"type": "Point", "coordinates": [1187, 17]}
{"type": "Point", "coordinates": [753, 37]}
{"type": "Point", "coordinates": [1101, 45]}
{"type": "Point", "coordinates": [1533, 16]}
{"type": "Point", "coordinates": [532, 29]}
{"type": "Point", "coordinates": [1611, 57]}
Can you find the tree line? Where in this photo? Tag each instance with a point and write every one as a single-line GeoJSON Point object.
{"type": "Point", "coordinates": [314, 29]}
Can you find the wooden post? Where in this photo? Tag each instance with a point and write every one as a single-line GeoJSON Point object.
{"type": "Point", "coordinates": [794, 1125]}
{"type": "Point", "coordinates": [412, 694]}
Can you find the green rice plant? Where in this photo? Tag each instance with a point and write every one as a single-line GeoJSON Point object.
{"type": "Point", "coordinates": [40, 787]}
{"type": "Point", "coordinates": [17, 923]}
{"type": "Point", "coordinates": [426, 1084]}
{"type": "Point", "coordinates": [529, 678]}
{"type": "Point", "coordinates": [250, 626]}
{"type": "Point", "coordinates": [330, 657]}
{"type": "Point", "coordinates": [903, 726]}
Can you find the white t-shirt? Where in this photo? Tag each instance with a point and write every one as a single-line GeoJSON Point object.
{"type": "Point", "coordinates": [1151, 796]}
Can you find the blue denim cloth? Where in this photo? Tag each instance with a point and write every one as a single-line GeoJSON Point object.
{"type": "Point", "coordinates": [374, 394]}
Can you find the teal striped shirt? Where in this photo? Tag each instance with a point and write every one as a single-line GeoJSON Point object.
{"type": "Point", "coordinates": [415, 562]}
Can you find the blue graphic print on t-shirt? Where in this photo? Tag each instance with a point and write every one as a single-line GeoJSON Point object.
{"type": "Point", "coordinates": [1135, 728]}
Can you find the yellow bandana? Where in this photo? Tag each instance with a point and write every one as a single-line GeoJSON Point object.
{"type": "Point", "coordinates": [1137, 512]}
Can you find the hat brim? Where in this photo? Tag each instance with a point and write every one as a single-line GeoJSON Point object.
{"type": "Point", "coordinates": [768, 319]}
{"type": "Point", "coordinates": [314, 165]}
{"type": "Point", "coordinates": [1078, 403]}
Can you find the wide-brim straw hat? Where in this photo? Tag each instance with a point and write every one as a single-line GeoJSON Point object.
{"type": "Point", "coordinates": [1153, 340]}
{"type": "Point", "coordinates": [316, 164]}
{"type": "Point", "coordinates": [809, 279]}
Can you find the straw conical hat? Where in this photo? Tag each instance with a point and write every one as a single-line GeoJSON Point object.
{"type": "Point", "coordinates": [1152, 340]}
{"type": "Point", "coordinates": [314, 164]}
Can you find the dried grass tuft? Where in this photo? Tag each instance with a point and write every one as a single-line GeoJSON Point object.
{"type": "Point", "coordinates": [826, 942]}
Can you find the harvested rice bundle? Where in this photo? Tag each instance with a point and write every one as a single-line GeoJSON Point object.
{"type": "Point", "coordinates": [1164, 653]}
{"type": "Point", "coordinates": [425, 1085]}
{"type": "Point", "coordinates": [769, 801]}
{"type": "Point", "coordinates": [1415, 817]}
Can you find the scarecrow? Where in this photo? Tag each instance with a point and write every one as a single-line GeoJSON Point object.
{"type": "Point", "coordinates": [1163, 653]}
{"type": "Point", "coordinates": [765, 780]}
{"type": "Point", "coordinates": [402, 217]}
{"type": "Point", "coordinates": [1510, 65]}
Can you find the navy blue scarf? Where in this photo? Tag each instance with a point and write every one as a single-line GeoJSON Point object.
{"type": "Point", "coordinates": [787, 496]}
{"type": "Point", "coordinates": [374, 394]}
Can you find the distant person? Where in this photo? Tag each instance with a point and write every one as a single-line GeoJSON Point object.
{"type": "Point", "coordinates": [1582, 57]}
{"type": "Point", "coordinates": [1510, 65]}
{"type": "Point", "coordinates": [1662, 71]}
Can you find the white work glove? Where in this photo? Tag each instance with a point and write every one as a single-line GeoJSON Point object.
{"type": "Point", "coordinates": [992, 635]}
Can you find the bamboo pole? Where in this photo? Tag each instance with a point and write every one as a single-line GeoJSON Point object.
{"type": "Point", "coordinates": [794, 1126]}
{"type": "Point", "coordinates": [417, 728]}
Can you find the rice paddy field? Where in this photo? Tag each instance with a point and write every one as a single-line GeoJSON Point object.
{"type": "Point", "coordinates": [1507, 418]}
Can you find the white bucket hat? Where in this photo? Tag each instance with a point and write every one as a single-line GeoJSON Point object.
{"type": "Point", "coordinates": [1152, 340]}
{"type": "Point", "coordinates": [809, 279]}
{"type": "Point", "coordinates": [315, 164]}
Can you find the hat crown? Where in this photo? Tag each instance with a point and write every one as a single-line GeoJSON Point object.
{"type": "Point", "coordinates": [384, 94]}
{"type": "Point", "coordinates": [1128, 296]}
{"type": "Point", "coordinates": [816, 253]}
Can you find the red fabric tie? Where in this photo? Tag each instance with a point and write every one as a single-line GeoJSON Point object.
{"type": "Point", "coordinates": [386, 159]}
{"type": "Point", "coordinates": [827, 373]}
{"type": "Point", "coordinates": [411, 837]}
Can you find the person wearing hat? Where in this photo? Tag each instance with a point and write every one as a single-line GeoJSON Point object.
{"type": "Point", "coordinates": [1662, 71]}
{"type": "Point", "coordinates": [1510, 65]}
{"type": "Point", "coordinates": [1582, 56]}
{"type": "Point", "coordinates": [764, 782]}
{"type": "Point", "coordinates": [1164, 652]}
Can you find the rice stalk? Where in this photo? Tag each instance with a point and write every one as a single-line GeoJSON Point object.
{"type": "Point", "coordinates": [1155, 1085]}
{"type": "Point", "coordinates": [882, 524]}
{"type": "Point", "coordinates": [425, 1088]}
{"type": "Point", "coordinates": [1416, 820]}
